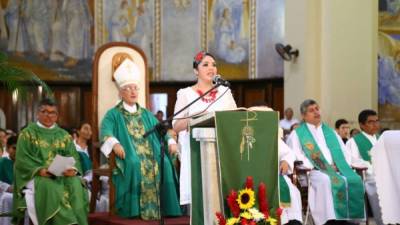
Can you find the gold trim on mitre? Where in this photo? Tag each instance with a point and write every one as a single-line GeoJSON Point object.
{"type": "Point", "coordinates": [127, 73]}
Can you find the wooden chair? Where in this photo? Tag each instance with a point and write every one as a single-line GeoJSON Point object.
{"type": "Point", "coordinates": [300, 178]}
{"type": "Point", "coordinates": [105, 96]}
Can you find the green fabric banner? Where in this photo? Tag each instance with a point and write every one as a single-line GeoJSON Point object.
{"type": "Point", "coordinates": [284, 192]}
{"type": "Point", "coordinates": [247, 146]}
{"type": "Point", "coordinates": [197, 215]}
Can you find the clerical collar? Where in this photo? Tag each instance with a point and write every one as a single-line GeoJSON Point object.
{"type": "Point", "coordinates": [43, 126]}
{"type": "Point", "coordinates": [130, 109]}
{"type": "Point", "coordinates": [313, 126]}
{"type": "Point", "coordinates": [368, 135]}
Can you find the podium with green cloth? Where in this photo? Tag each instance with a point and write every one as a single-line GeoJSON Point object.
{"type": "Point", "coordinates": [226, 148]}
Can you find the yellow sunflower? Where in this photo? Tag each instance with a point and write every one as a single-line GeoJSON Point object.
{"type": "Point", "coordinates": [232, 221]}
{"type": "Point", "coordinates": [246, 215]}
{"type": "Point", "coordinates": [246, 198]}
{"type": "Point", "coordinates": [271, 221]}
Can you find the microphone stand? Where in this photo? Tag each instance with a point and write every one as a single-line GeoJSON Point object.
{"type": "Point", "coordinates": [161, 130]}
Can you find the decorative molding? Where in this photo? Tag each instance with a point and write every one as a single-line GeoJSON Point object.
{"type": "Point", "coordinates": [203, 29]}
{"type": "Point", "coordinates": [98, 24]}
{"type": "Point", "coordinates": [157, 50]}
{"type": "Point", "coordinates": [253, 41]}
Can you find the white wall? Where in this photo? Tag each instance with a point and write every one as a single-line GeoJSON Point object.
{"type": "Point", "coordinates": [337, 65]}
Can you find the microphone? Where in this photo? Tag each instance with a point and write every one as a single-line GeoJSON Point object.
{"type": "Point", "coordinates": [217, 79]}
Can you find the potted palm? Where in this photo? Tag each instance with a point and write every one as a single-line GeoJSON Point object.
{"type": "Point", "coordinates": [17, 80]}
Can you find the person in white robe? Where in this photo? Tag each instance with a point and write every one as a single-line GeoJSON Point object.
{"type": "Point", "coordinates": [38, 17]}
{"type": "Point", "coordinates": [221, 99]}
{"type": "Point", "coordinates": [369, 124]}
{"type": "Point", "coordinates": [17, 27]}
{"type": "Point", "coordinates": [58, 47]}
{"type": "Point", "coordinates": [385, 157]}
{"type": "Point", "coordinates": [320, 197]}
{"type": "Point", "coordinates": [79, 21]}
{"type": "Point", "coordinates": [292, 214]}
{"type": "Point", "coordinates": [3, 27]}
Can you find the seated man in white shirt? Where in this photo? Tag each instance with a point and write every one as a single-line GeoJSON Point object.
{"type": "Point", "coordinates": [336, 192]}
{"type": "Point", "coordinates": [359, 147]}
{"type": "Point", "coordinates": [287, 122]}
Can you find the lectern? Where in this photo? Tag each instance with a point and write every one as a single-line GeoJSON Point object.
{"type": "Point", "coordinates": [226, 148]}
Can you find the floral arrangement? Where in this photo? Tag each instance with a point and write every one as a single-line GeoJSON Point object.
{"type": "Point", "coordinates": [242, 207]}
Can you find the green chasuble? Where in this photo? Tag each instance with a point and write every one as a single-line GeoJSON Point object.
{"type": "Point", "coordinates": [58, 200]}
{"type": "Point", "coordinates": [6, 170]}
{"type": "Point", "coordinates": [85, 162]}
{"type": "Point", "coordinates": [137, 177]}
{"type": "Point", "coordinates": [364, 145]}
{"type": "Point", "coordinates": [347, 186]}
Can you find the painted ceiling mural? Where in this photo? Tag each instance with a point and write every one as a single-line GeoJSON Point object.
{"type": "Point", "coordinates": [57, 39]}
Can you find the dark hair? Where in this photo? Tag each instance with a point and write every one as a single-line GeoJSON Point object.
{"type": "Point", "coordinates": [363, 116]}
{"type": "Point", "coordinates": [3, 130]}
{"type": "Point", "coordinates": [354, 130]}
{"type": "Point", "coordinates": [340, 122]}
{"type": "Point", "coordinates": [304, 105]}
{"type": "Point", "coordinates": [12, 140]}
{"type": "Point", "coordinates": [48, 102]}
{"type": "Point", "coordinates": [89, 142]}
{"type": "Point", "coordinates": [384, 129]}
{"type": "Point", "coordinates": [81, 125]}
{"type": "Point", "coordinates": [199, 57]}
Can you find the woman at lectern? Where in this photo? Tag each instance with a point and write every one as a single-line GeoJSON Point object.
{"type": "Point", "coordinates": [205, 69]}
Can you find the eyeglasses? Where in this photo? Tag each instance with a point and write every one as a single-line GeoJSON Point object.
{"type": "Point", "coordinates": [130, 89]}
{"type": "Point", "coordinates": [373, 121]}
{"type": "Point", "coordinates": [49, 113]}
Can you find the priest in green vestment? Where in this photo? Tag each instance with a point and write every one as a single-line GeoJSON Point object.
{"type": "Point", "coordinates": [49, 199]}
{"type": "Point", "coordinates": [336, 192]}
{"type": "Point", "coordinates": [137, 176]}
{"type": "Point", "coordinates": [359, 147]}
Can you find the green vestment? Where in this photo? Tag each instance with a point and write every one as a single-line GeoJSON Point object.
{"type": "Point", "coordinates": [6, 170]}
{"type": "Point", "coordinates": [347, 187]}
{"type": "Point", "coordinates": [58, 200]}
{"type": "Point", "coordinates": [137, 177]}
{"type": "Point", "coordinates": [364, 146]}
{"type": "Point", "coordinates": [86, 163]}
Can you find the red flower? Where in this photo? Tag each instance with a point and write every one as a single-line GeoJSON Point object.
{"type": "Point", "coordinates": [279, 212]}
{"type": "Point", "coordinates": [252, 222]}
{"type": "Point", "coordinates": [249, 182]}
{"type": "Point", "coordinates": [221, 219]}
{"type": "Point", "coordinates": [232, 203]}
{"type": "Point", "coordinates": [243, 221]}
{"type": "Point", "coordinates": [199, 56]}
{"type": "Point", "coordinates": [262, 199]}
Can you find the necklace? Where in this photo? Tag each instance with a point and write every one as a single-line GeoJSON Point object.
{"type": "Point", "coordinates": [210, 97]}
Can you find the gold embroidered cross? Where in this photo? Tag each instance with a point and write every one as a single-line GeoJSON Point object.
{"type": "Point", "coordinates": [247, 135]}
